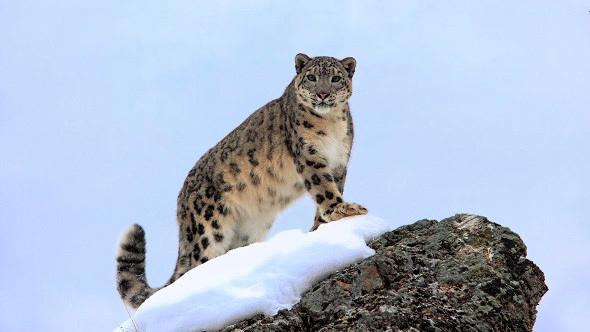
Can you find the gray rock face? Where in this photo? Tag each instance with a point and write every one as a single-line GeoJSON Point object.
{"type": "Point", "coordinates": [464, 273]}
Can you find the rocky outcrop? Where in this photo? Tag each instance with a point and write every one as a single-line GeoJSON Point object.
{"type": "Point", "coordinates": [463, 273]}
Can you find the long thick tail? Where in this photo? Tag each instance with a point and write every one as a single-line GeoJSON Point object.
{"type": "Point", "coordinates": [131, 281]}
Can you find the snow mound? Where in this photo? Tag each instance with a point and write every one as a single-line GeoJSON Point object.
{"type": "Point", "coordinates": [260, 278]}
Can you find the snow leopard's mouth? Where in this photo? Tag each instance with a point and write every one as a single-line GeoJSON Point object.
{"type": "Point", "coordinates": [322, 104]}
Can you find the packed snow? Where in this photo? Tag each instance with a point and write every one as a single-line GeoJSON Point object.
{"type": "Point", "coordinates": [261, 278]}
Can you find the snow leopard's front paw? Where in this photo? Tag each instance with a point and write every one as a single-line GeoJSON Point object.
{"type": "Point", "coordinates": [345, 209]}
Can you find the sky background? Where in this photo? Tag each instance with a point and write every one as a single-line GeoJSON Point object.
{"type": "Point", "coordinates": [476, 107]}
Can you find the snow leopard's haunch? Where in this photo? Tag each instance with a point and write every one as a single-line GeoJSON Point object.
{"type": "Point", "coordinates": [298, 143]}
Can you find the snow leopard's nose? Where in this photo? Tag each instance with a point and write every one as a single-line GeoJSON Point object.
{"type": "Point", "coordinates": [323, 95]}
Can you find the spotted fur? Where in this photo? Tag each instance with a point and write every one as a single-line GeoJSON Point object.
{"type": "Point", "coordinates": [295, 144]}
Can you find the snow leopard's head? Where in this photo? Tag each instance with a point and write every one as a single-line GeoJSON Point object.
{"type": "Point", "coordinates": [323, 83]}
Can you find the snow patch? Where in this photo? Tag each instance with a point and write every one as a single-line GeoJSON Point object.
{"type": "Point", "coordinates": [260, 278]}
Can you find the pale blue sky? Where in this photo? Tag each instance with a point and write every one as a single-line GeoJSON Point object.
{"type": "Point", "coordinates": [478, 107]}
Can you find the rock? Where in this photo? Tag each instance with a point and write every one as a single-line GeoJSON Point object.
{"type": "Point", "coordinates": [463, 273]}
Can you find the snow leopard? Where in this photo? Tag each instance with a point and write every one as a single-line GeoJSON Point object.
{"type": "Point", "coordinates": [296, 144]}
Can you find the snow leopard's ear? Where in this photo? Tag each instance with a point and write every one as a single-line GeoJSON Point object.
{"type": "Point", "coordinates": [300, 61]}
{"type": "Point", "coordinates": [349, 64]}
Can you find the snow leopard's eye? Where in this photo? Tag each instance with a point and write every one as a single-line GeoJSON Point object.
{"type": "Point", "coordinates": [336, 79]}
{"type": "Point", "coordinates": [311, 78]}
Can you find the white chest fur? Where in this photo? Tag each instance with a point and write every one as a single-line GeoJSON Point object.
{"type": "Point", "coordinates": [335, 146]}
{"type": "Point", "coordinates": [335, 150]}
